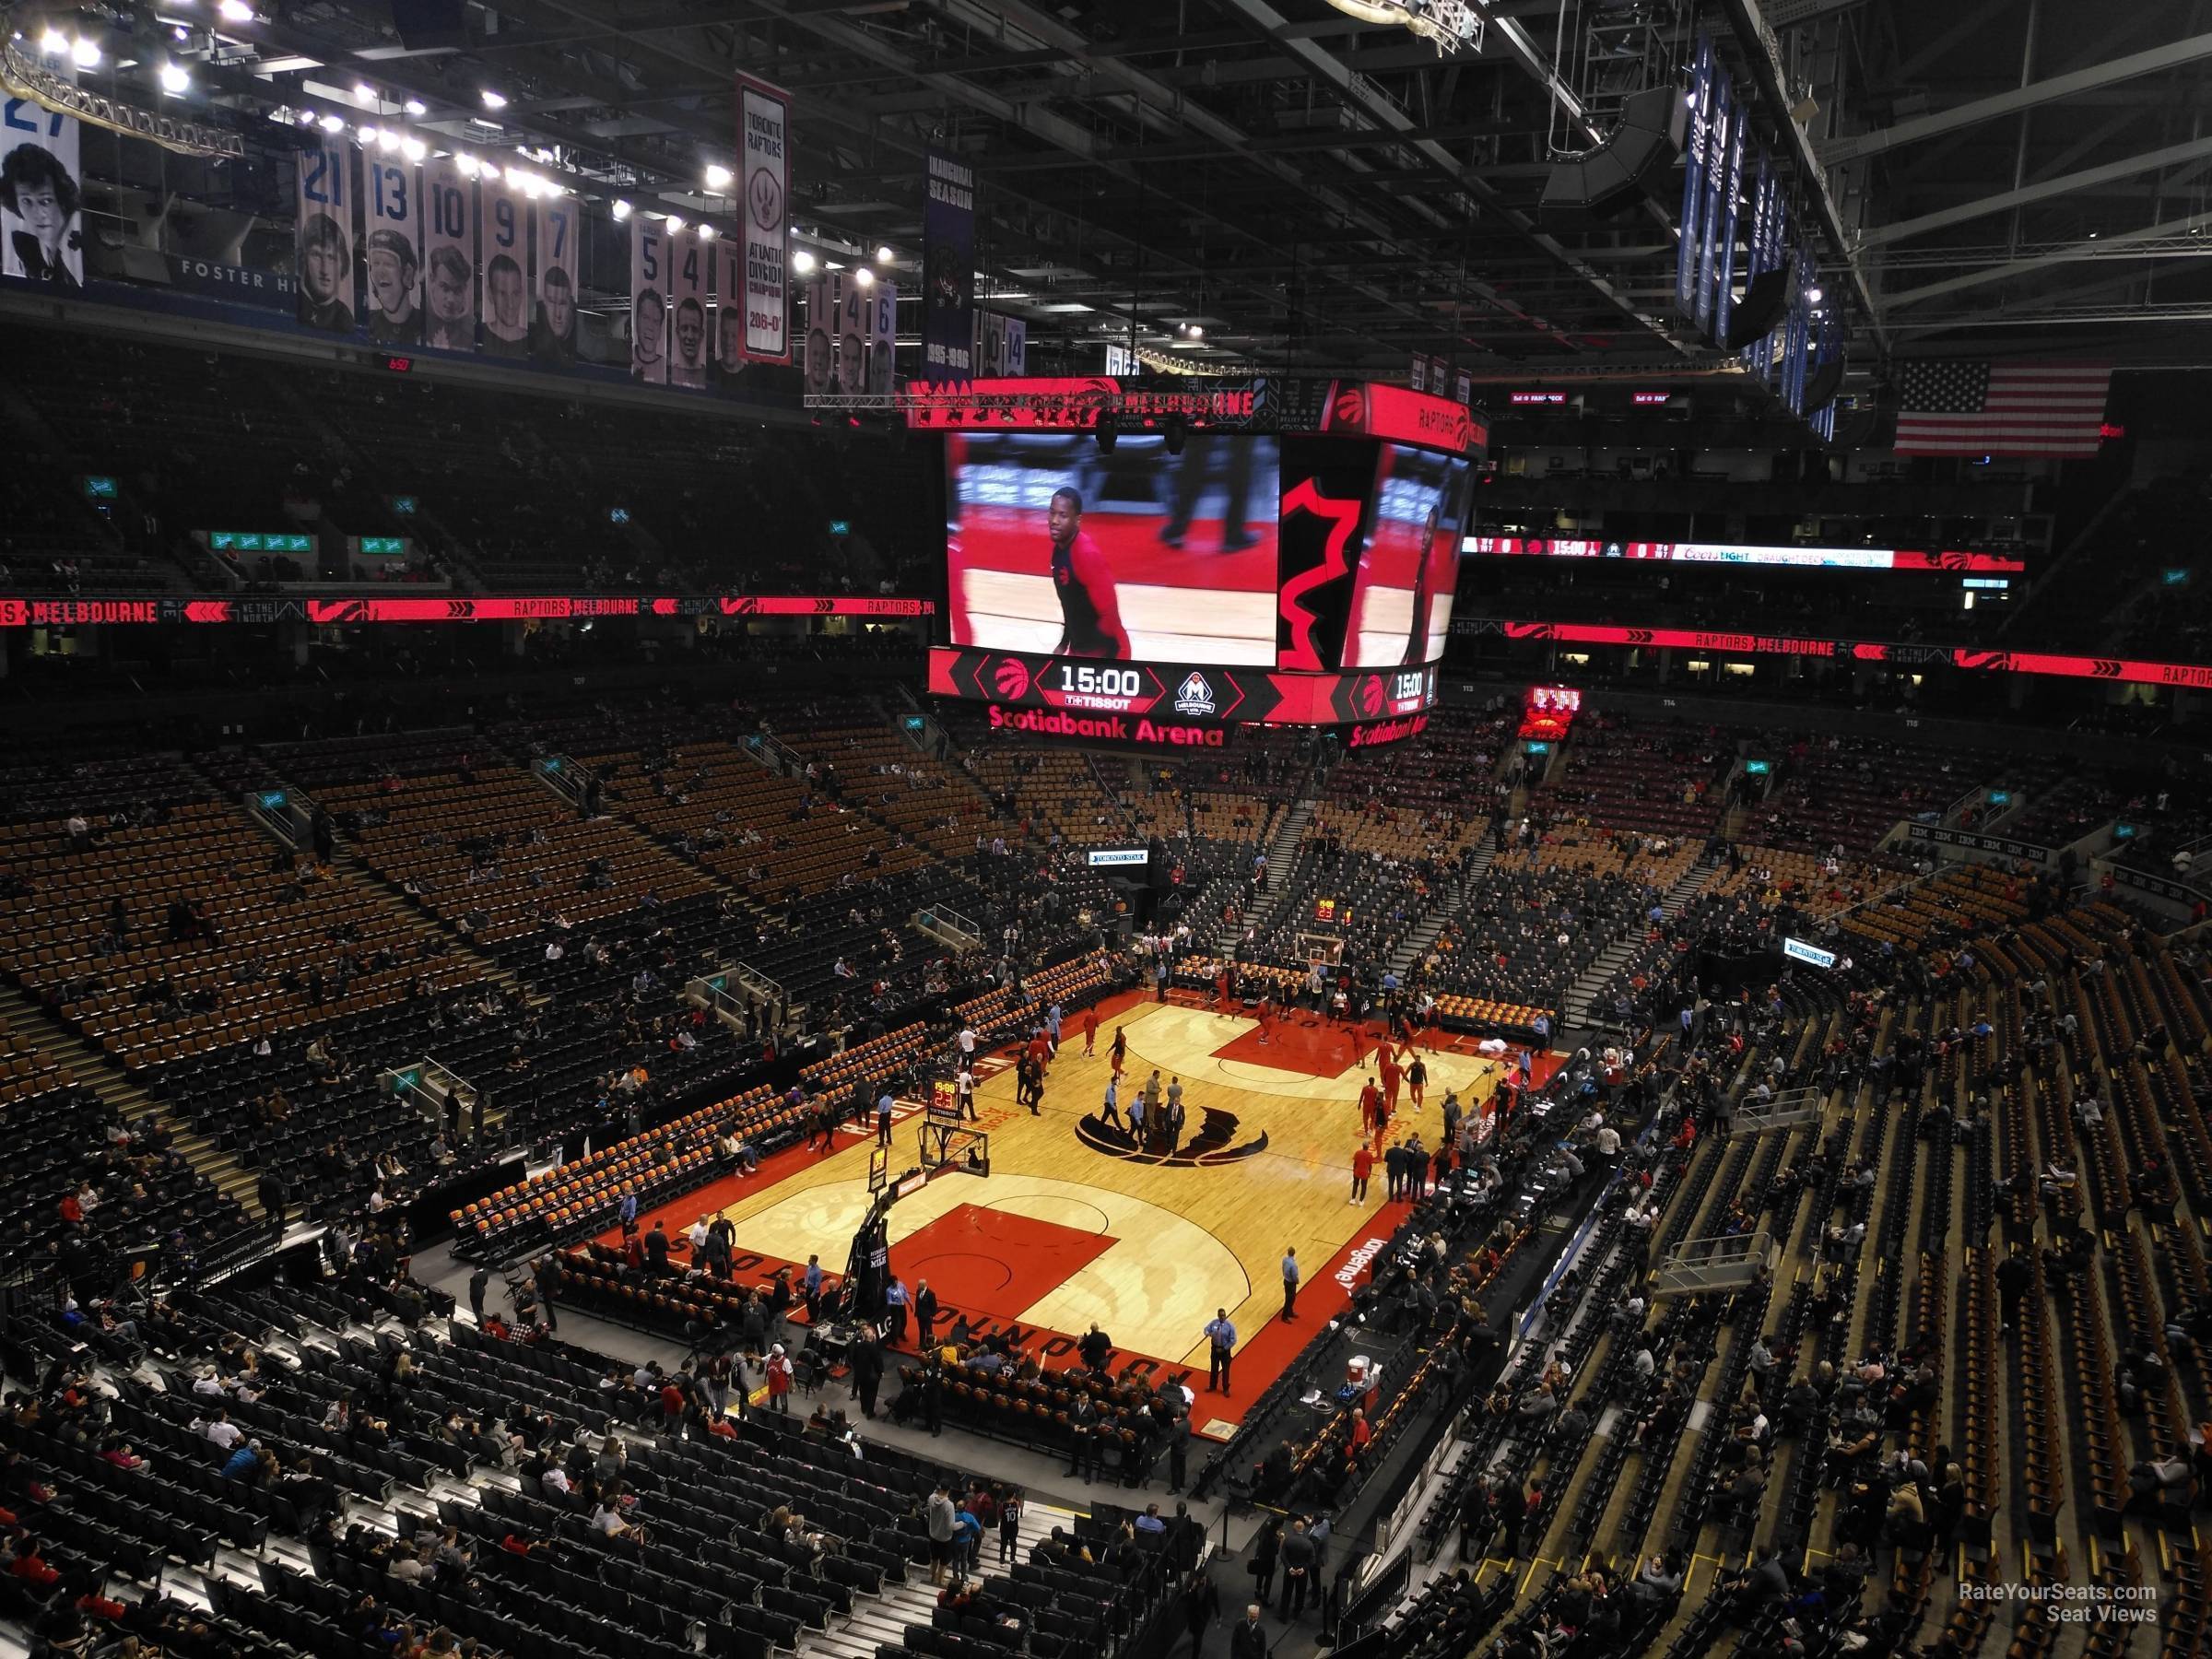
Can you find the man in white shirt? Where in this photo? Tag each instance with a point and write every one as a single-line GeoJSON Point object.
{"type": "Point", "coordinates": [222, 1431]}
{"type": "Point", "coordinates": [966, 1042]}
{"type": "Point", "coordinates": [555, 1479]}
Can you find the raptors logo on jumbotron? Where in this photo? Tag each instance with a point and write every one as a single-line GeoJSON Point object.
{"type": "Point", "coordinates": [1351, 407]}
{"type": "Point", "coordinates": [1372, 703]}
{"type": "Point", "coordinates": [1010, 679]}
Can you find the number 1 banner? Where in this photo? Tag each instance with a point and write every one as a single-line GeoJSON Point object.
{"type": "Point", "coordinates": [41, 238]}
{"type": "Point", "coordinates": [449, 256]}
{"type": "Point", "coordinates": [326, 228]}
{"type": "Point", "coordinates": [392, 201]}
{"type": "Point", "coordinates": [506, 216]}
{"type": "Point", "coordinates": [764, 155]}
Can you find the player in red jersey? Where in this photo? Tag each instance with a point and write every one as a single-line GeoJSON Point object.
{"type": "Point", "coordinates": [1090, 613]}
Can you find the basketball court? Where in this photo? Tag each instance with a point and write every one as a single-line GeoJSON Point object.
{"type": "Point", "coordinates": [1068, 1229]}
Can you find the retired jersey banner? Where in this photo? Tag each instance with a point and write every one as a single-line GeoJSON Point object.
{"type": "Point", "coordinates": [506, 218]}
{"type": "Point", "coordinates": [560, 221]}
{"type": "Point", "coordinates": [392, 203]}
{"type": "Point", "coordinates": [325, 237]}
{"type": "Point", "coordinates": [1696, 147]}
{"type": "Point", "coordinates": [948, 271]}
{"type": "Point", "coordinates": [1017, 348]}
{"type": "Point", "coordinates": [1717, 128]}
{"type": "Point", "coordinates": [648, 301]}
{"type": "Point", "coordinates": [449, 256]}
{"type": "Point", "coordinates": [42, 237]}
{"type": "Point", "coordinates": [689, 261]}
{"type": "Point", "coordinates": [821, 335]}
{"type": "Point", "coordinates": [764, 169]}
{"type": "Point", "coordinates": [729, 306]}
{"type": "Point", "coordinates": [883, 337]}
{"type": "Point", "coordinates": [852, 312]}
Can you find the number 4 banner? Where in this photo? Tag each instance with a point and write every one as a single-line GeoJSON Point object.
{"type": "Point", "coordinates": [326, 249]}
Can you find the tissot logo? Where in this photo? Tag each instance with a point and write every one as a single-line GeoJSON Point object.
{"type": "Point", "coordinates": [1195, 696]}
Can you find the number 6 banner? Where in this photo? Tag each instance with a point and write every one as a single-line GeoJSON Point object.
{"type": "Point", "coordinates": [449, 258]}
{"type": "Point", "coordinates": [325, 221]}
{"type": "Point", "coordinates": [763, 148]}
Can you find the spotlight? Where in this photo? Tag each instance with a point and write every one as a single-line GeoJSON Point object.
{"type": "Point", "coordinates": [802, 262]}
{"type": "Point", "coordinates": [413, 148]}
{"type": "Point", "coordinates": [83, 51]}
{"type": "Point", "coordinates": [334, 124]}
{"type": "Point", "coordinates": [53, 41]}
{"type": "Point", "coordinates": [706, 233]}
{"type": "Point", "coordinates": [365, 93]}
{"type": "Point", "coordinates": [174, 79]}
{"type": "Point", "coordinates": [414, 106]}
{"type": "Point", "coordinates": [675, 223]}
{"type": "Point", "coordinates": [1813, 294]}
{"type": "Point", "coordinates": [369, 134]}
{"type": "Point", "coordinates": [235, 11]}
{"type": "Point", "coordinates": [493, 100]}
{"type": "Point", "coordinates": [884, 255]}
{"type": "Point", "coordinates": [621, 211]}
{"type": "Point", "coordinates": [719, 177]}
{"type": "Point", "coordinates": [465, 166]}
{"type": "Point", "coordinates": [386, 139]}
{"type": "Point", "coordinates": [864, 278]}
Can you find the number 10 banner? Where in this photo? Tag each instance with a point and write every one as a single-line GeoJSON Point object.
{"type": "Point", "coordinates": [764, 175]}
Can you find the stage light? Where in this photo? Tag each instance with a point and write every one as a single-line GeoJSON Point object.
{"type": "Point", "coordinates": [174, 79]}
{"type": "Point", "coordinates": [1813, 294]}
{"type": "Point", "coordinates": [53, 42]}
{"type": "Point", "coordinates": [414, 106]}
{"type": "Point", "coordinates": [386, 139]}
{"type": "Point", "coordinates": [413, 148]}
{"type": "Point", "coordinates": [465, 166]}
{"type": "Point", "coordinates": [621, 211]}
{"type": "Point", "coordinates": [235, 11]}
{"type": "Point", "coordinates": [719, 177]}
{"type": "Point", "coordinates": [334, 124]}
{"type": "Point", "coordinates": [493, 100]}
{"type": "Point", "coordinates": [884, 255]}
{"type": "Point", "coordinates": [365, 93]}
{"type": "Point", "coordinates": [706, 233]}
{"type": "Point", "coordinates": [802, 262]}
{"type": "Point", "coordinates": [675, 223]}
{"type": "Point", "coordinates": [83, 51]}
{"type": "Point", "coordinates": [863, 277]}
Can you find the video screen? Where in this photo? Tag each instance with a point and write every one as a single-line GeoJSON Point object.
{"type": "Point", "coordinates": [1401, 600]}
{"type": "Point", "coordinates": [1058, 547]}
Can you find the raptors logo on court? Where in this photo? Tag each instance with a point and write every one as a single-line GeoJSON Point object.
{"type": "Point", "coordinates": [1214, 1142]}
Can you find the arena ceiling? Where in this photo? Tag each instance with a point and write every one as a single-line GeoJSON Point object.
{"type": "Point", "coordinates": [1307, 188]}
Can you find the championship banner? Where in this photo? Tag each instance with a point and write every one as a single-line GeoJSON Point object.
{"type": "Point", "coordinates": [729, 306]}
{"type": "Point", "coordinates": [1017, 347]}
{"type": "Point", "coordinates": [1717, 128]}
{"type": "Point", "coordinates": [1463, 390]}
{"type": "Point", "coordinates": [41, 238]}
{"type": "Point", "coordinates": [506, 218]}
{"type": "Point", "coordinates": [948, 271]}
{"type": "Point", "coordinates": [560, 222]}
{"type": "Point", "coordinates": [325, 237]}
{"type": "Point", "coordinates": [1723, 300]}
{"type": "Point", "coordinates": [852, 318]}
{"type": "Point", "coordinates": [1695, 146]}
{"type": "Point", "coordinates": [449, 256]}
{"type": "Point", "coordinates": [821, 335]}
{"type": "Point", "coordinates": [688, 261]}
{"type": "Point", "coordinates": [883, 337]}
{"type": "Point", "coordinates": [648, 301]}
{"type": "Point", "coordinates": [392, 201]}
{"type": "Point", "coordinates": [764, 166]}
{"type": "Point", "coordinates": [1419, 379]}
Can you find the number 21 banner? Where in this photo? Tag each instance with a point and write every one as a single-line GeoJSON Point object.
{"type": "Point", "coordinates": [41, 238]}
{"type": "Point", "coordinates": [326, 220]}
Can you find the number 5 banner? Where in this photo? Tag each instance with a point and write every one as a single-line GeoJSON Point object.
{"type": "Point", "coordinates": [764, 154]}
{"type": "Point", "coordinates": [648, 301]}
{"type": "Point", "coordinates": [326, 228]}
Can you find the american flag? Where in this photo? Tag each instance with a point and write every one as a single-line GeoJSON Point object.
{"type": "Point", "coordinates": [1959, 407]}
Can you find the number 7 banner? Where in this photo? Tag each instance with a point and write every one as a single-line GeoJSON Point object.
{"type": "Point", "coordinates": [554, 333]}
